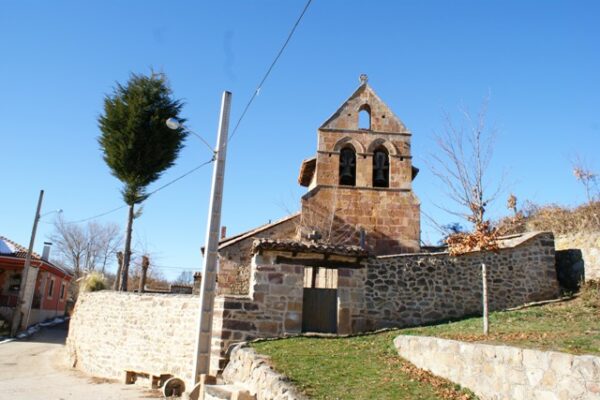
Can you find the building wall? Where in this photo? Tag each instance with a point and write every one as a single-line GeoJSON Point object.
{"type": "Point", "coordinates": [273, 308]}
{"type": "Point", "coordinates": [391, 219]}
{"type": "Point", "coordinates": [421, 288]}
{"type": "Point", "coordinates": [234, 260]}
{"type": "Point", "coordinates": [504, 372]}
{"type": "Point", "coordinates": [113, 332]}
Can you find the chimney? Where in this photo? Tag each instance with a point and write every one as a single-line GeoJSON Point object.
{"type": "Point", "coordinates": [223, 232]}
{"type": "Point", "coordinates": [46, 252]}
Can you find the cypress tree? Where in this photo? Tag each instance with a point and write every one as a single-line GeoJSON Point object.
{"type": "Point", "coordinates": [138, 146]}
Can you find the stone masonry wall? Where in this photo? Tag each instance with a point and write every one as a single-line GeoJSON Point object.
{"type": "Point", "coordinates": [252, 371]}
{"type": "Point", "coordinates": [589, 245]}
{"type": "Point", "coordinates": [503, 372]}
{"type": "Point", "coordinates": [391, 218]}
{"type": "Point", "coordinates": [235, 259]}
{"type": "Point", "coordinates": [415, 289]}
{"type": "Point", "coordinates": [113, 332]}
{"type": "Point", "coordinates": [272, 309]}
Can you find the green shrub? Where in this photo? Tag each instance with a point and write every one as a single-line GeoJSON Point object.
{"type": "Point", "coordinates": [93, 282]}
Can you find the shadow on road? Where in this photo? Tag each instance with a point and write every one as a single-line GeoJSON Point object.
{"type": "Point", "coordinates": [53, 335]}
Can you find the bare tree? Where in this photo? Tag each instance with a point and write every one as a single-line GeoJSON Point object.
{"type": "Point", "coordinates": [154, 278]}
{"type": "Point", "coordinates": [85, 248]}
{"type": "Point", "coordinates": [462, 166]}
{"type": "Point", "coordinates": [185, 278]}
{"type": "Point", "coordinates": [588, 178]}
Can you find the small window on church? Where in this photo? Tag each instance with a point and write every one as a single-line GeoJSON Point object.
{"type": "Point", "coordinates": [364, 117]}
{"type": "Point", "coordinates": [347, 166]}
{"type": "Point", "coordinates": [381, 168]}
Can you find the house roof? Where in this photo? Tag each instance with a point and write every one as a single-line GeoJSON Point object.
{"type": "Point", "coordinates": [307, 170]}
{"type": "Point", "coordinates": [9, 248]}
{"type": "Point", "coordinates": [296, 246]}
{"type": "Point", "coordinates": [244, 235]}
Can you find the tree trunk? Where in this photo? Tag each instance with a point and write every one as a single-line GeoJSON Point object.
{"type": "Point", "coordinates": [145, 265]}
{"type": "Point", "coordinates": [119, 269]}
{"type": "Point", "coordinates": [127, 252]}
{"type": "Point", "coordinates": [485, 300]}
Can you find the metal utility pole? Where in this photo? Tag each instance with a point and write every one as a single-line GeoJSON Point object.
{"type": "Point", "coordinates": [207, 288]}
{"type": "Point", "coordinates": [20, 311]}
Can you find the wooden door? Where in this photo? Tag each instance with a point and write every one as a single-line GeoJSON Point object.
{"type": "Point", "coordinates": [319, 310]}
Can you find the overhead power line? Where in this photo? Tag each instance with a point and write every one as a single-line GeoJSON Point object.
{"type": "Point", "coordinates": [263, 80]}
{"type": "Point", "coordinates": [149, 194]}
{"type": "Point", "coordinates": [239, 121]}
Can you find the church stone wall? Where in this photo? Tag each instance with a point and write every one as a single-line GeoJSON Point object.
{"type": "Point", "coordinates": [235, 259]}
{"type": "Point", "coordinates": [391, 219]}
{"type": "Point", "coordinates": [417, 289]}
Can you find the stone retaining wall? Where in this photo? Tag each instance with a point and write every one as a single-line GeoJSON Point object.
{"type": "Point", "coordinates": [414, 289]}
{"type": "Point", "coordinates": [503, 372]}
{"type": "Point", "coordinates": [588, 246]}
{"type": "Point", "coordinates": [252, 371]}
{"type": "Point", "coordinates": [113, 332]}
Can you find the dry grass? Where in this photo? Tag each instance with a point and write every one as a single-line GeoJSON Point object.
{"type": "Point", "coordinates": [93, 282]}
{"type": "Point", "coordinates": [552, 217]}
{"type": "Point", "coordinates": [590, 294]}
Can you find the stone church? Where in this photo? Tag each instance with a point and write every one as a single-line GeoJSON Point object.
{"type": "Point", "coordinates": [348, 262]}
{"type": "Point", "coordinates": [359, 191]}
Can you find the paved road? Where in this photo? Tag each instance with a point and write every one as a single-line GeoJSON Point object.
{"type": "Point", "coordinates": [36, 368]}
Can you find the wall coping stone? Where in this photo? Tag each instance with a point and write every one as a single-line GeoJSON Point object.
{"type": "Point", "coordinates": [504, 242]}
{"type": "Point", "coordinates": [505, 372]}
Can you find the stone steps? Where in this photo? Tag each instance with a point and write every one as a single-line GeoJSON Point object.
{"type": "Point", "coordinates": [227, 392]}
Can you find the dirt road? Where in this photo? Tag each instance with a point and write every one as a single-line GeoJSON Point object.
{"type": "Point", "coordinates": [35, 368]}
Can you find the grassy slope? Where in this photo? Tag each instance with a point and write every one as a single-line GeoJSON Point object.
{"type": "Point", "coordinates": [367, 367]}
{"type": "Point", "coordinates": [570, 327]}
{"type": "Point", "coordinates": [363, 367]}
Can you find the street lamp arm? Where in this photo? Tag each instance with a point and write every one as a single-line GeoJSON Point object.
{"type": "Point", "coordinates": [173, 123]}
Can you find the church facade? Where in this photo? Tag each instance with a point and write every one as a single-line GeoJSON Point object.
{"type": "Point", "coordinates": [359, 191]}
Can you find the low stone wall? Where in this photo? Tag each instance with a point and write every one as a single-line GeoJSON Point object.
{"type": "Point", "coordinates": [273, 309]}
{"type": "Point", "coordinates": [113, 332]}
{"type": "Point", "coordinates": [503, 372]}
{"type": "Point", "coordinates": [587, 245]}
{"type": "Point", "coordinates": [388, 291]}
{"type": "Point", "coordinates": [414, 289]}
{"type": "Point", "coordinates": [252, 371]}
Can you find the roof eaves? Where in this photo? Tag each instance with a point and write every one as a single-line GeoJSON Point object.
{"type": "Point", "coordinates": [244, 235]}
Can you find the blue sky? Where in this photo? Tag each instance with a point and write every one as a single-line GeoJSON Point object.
{"type": "Point", "coordinates": [539, 61]}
